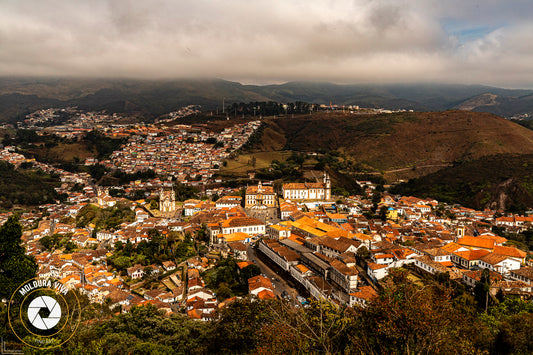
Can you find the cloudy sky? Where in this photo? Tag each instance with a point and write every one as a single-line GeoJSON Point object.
{"type": "Point", "coordinates": [272, 41]}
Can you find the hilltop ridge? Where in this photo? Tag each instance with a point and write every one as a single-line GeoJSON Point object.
{"type": "Point", "coordinates": [152, 98]}
{"type": "Point", "coordinates": [400, 140]}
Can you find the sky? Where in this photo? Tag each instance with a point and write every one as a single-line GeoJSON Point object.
{"type": "Point", "coordinates": [486, 42]}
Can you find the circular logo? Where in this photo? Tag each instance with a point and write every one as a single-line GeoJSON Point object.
{"type": "Point", "coordinates": [43, 313]}
{"type": "Point", "coordinates": [48, 303]}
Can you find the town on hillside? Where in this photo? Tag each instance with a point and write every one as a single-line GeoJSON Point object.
{"type": "Point", "coordinates": [184, 244]}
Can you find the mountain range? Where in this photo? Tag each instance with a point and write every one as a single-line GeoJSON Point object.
{"type": "Point", "coordinates": [19, 96]}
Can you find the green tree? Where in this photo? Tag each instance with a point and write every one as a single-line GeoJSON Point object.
{"type": "Point", "coordinates": [15, 266]}
{"type": "Point", "coordinates": [249, 272]}
{"type": "Point", "coordinates": [481, 290]}
{"type": "Point", "coordinates": [363, 253]}
{"type": "Point", "coordinates": [411, 319]}
{"type": "Point", "coordinates": [223, 292]}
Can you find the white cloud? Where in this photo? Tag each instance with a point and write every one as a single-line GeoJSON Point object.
{"type": "Point", "coordinates": [275, 40]}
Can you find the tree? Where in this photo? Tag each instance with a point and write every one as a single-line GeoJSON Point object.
{"type": "Point", "coordinates": [223, 292]}
{"type": "Point", "coordinates": [363, 253]}
{"type": "Point", "coordinates": [15, 266]}
{"type": "Point", "coordinates": [202, 234]}
{"type": "Point", "coordinates": [481, 290]}
{"type": "Point", "coordinates": [411, 319]}
{"type": "Point", "coordinates": [249, 272]}
{"type": "Point", "coordinates": [119, 245]}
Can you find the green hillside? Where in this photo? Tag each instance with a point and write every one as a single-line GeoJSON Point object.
{"type": "Point", "coordinates": [151, 98]}
{"type": "Point", "coordinates": [25, 187]}
{"type": "Point", "coordinates": [497, 182]}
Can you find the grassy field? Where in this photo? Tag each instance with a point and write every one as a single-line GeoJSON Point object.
{"type": "Point", "coordinates": [243, 163]}
{"type": "Point", "coordinates": [63, 152]}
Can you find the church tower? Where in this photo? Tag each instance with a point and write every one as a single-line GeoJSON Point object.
{"type": "Point", "coordinates": [327, 186]}
{"type": "Point", "coordinates": [167, 201]}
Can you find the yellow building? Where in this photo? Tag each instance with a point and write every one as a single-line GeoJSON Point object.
{"type": "Point", "coordinates": [260, 196]}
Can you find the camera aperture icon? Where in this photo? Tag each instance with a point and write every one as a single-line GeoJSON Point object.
{"type": "Point", "coordinates": [44, 303]}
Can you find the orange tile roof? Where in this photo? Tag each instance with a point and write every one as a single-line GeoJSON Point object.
{"type": "Point", "coordinates": [375, 266]}
{"type": "Point", "coordinates": [241, 265]}
{"type": "Point", "coordinates": [266, 295]}
{"type": "Point", "coordinates": [476, 242]}
{"type": "Point", "coordinates": [497, 239]}
{"type": "Point", "coordinates": [365, 292]}
{"type": "Point", "coordinates": [451, 247]}
{"type": "Point", "coordinates": [303, 269]}
{"type": "Point", "coordinates": [472, 254]}
{"type": "Point", "coordinates": [510, 251]}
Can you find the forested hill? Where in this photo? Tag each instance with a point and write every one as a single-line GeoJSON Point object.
{"type": "Point", "coordinates": [496, 182]}
{"type": "Point", "coordinates": [153, 98]}
{"type": "Point", "coordinates": [26, 186]}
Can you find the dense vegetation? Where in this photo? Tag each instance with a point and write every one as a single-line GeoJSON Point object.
{"type": "Point", "coordinates": [26, 186]}
{"type": "Point", "coordinates": [158, 249]}
{"type": "Point", "coordinates": [55, 241]}
{"type": "Point", "coordinates": [15, 266]}
{"type": "Point", "coordinates": [104, 218]}
{"type": "Point", "coordinates": [227, 280]}
{"type": "Point", "coordinates": [479, 184]}
{"type": "Point", "coordinates": [404, 319]}
{"type": "Point", "coordinates": [70, 153]}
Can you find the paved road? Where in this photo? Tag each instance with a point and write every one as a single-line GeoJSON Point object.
{"type": "Point", "coordinates": [280, 285]}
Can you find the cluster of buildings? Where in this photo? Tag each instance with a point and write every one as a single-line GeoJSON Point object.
{"type": "Point", "coordinates": [336, 251]}
{"type": "Point", "coordinates": [68, 179]}
{"type": "Point", "coordinates": [320, 249]}
{"type": "Point", "coordinates": [186, 154]}
{"type": "Point", "coordinates": [69, 122]}
{"type": "Point", "coordinates": [317, 243]}
{"type": "Point", "coordinates": [181, 113]}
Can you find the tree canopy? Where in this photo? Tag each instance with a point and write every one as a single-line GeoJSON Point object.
{"type": "Point", "coordinates": [15, 266]}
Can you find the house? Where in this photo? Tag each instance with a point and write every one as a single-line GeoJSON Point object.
{"type": "Point", "coordinates": [136, 272]}
{"type": "Point", "coordinates": [468, 259]}
{"type": "Point", "coordinates": [426, 263]}
{"type": "Point", "coordinates": [476, 243]}
{"type": "Point", "coordinates": [278, 231]}
{"type": "Point", "coordinates": [381, 258]}
{"type": "Point", "coordinates": [259, 283]}
{"type": "Point", "coordinates": [474, 276]}
{"type": "Point", "coordinates": [228, 202]}
{"type": "Point", "coordinates": [499, 263]}
{"type": "Point", "coordinates": [377, 271]}
{"type": "Point", "coordinates": [512, 252]}
{"type": "Point", "coordinates": [249, 225]}
{"type": "Point", "coordinates": [286, 209]}
{"type": "Point", "coordinates": [239, 250]}
{"type": "Point", "coordinates": [343, 276]}
{"type": "Point", "coordinates": [440, 255]}
{"type": "Point", "coordinates": [202, 293]}
{"type": "Point", "coordinates": [362, 296]}
{"type": "Point", "coordinates": [300, 273]}
{"type": "Point", "coordinates": [168, 265]}
{"type": "Point", "coordinates": [524, 274]}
